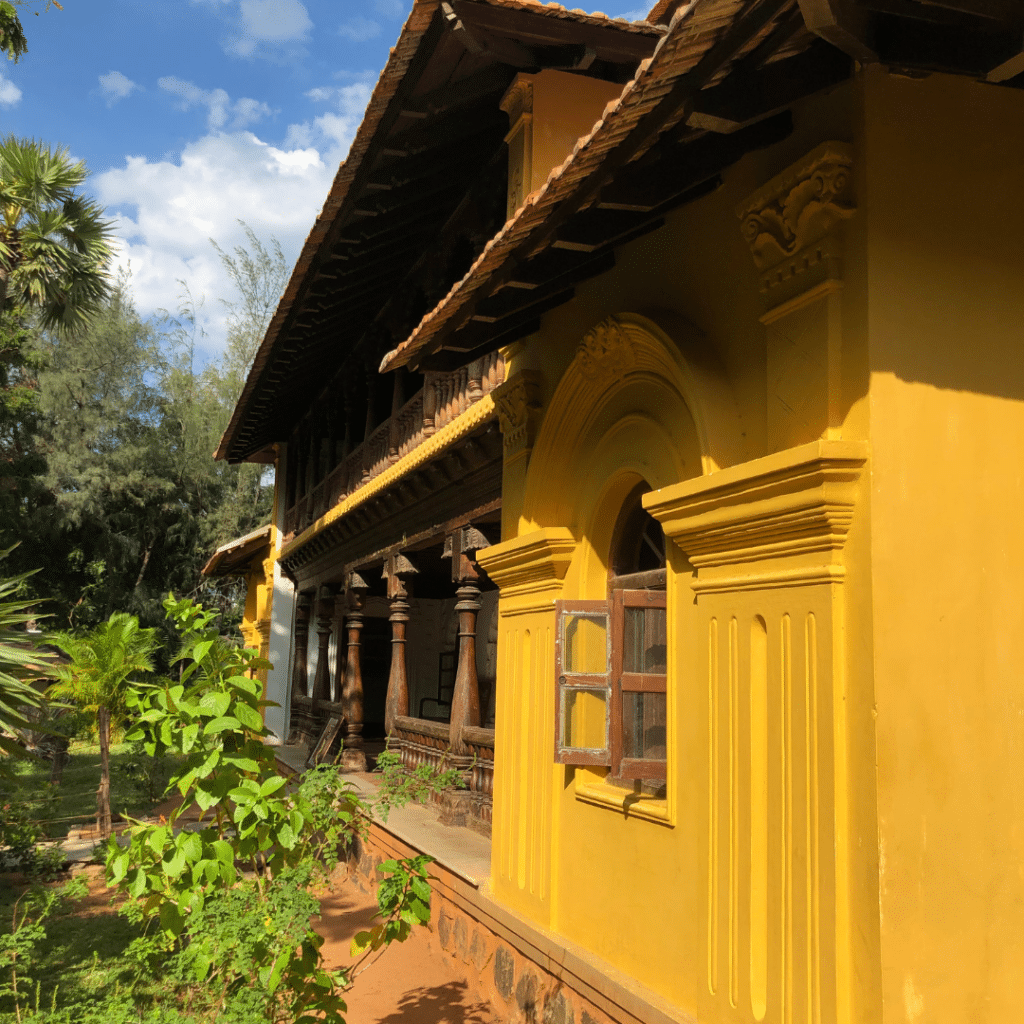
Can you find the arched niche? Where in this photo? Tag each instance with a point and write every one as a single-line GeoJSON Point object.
{"type": "Point", "coordinates": [631, 406]}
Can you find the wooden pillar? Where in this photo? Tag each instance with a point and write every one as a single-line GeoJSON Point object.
{"type": "Point", "coordinates": [353, 758]}
{"type": "Point", "coordinates": [324, 627]}
{"type": "Point", "coordinates": [299, 669]}
{"type": "Point", "coordinates": [396, 570]}
{"type": "Point", "coordinates": [466, 696]}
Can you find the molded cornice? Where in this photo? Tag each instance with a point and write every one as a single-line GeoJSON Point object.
{"type": "Point", "coordinates": [537, 561]}
{"type": "Point", "coordinates": [796, 505]}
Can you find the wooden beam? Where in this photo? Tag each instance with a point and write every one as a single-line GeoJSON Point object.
{"type": "Point", "coordinates": [844, 24]}
{"type": "Point", "coordinates": [745, 98]}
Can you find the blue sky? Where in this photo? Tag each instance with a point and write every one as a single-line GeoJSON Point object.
{"type": "Point", "coordinates": [193, 114]}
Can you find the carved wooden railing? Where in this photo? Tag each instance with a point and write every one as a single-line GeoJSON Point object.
{"type": "Point", "coordinates": [443, 397]}
{"type": "Point", "coordinates": [420, 742]}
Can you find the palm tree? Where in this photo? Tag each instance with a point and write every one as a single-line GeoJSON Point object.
{"type": "Point", "coordinates": [54, 244]}
{"type": "Point", "coordinates": [96, 677]}
{"type": "Point", "coordinates": [21, 663]}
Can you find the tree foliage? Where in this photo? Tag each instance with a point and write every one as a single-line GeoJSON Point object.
{"type": "Point", "coordinates": [54, 243]}
{"type": "Point", "coordinates": [233, 895]}
{"type": "Point", "coordinates": [22, 663]}
{"type": "Point", "coordinates": [96, 676]}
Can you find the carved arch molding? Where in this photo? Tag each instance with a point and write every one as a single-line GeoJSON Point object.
{"type": "Point", "coordinates": [631, 363]}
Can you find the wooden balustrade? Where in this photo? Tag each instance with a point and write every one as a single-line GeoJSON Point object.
{"type": "Point", "coordinates": [419, 742]}
{"type": "Point", "coordinates": [444, 396]}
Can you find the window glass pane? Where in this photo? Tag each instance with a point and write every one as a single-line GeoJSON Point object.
{"type": "Point", "coordinates": [584, 718]}
{"type": "Point", "coordinates": [643, 641]}
{"type": "Point", "coordinates": [643, 726]}
{"type": "Point", "coordinates": [585, 644]}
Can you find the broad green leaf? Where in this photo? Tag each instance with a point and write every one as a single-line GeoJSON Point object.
{"type": "Point", "coordinates": [248, 717]}
{"type": "Point", "coordinates": [272, 785]}
{"type": "Point", "coordinates": [191, 846]}
{"type": "Point", "coordinates": [223, 851]}
{"type": "Point", "coordinates": [215, 703]}
{"type": "Point", "coordinates": [226, 723]}
{"type": "Point", "coordinates": [171, 919]}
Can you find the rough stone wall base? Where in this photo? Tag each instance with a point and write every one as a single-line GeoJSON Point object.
{"type": "Point", "coordinates": [528, 975]}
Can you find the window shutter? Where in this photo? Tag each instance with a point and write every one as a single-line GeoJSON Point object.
{"type": "Point", "coordinates": [583, 692]}
{"type": "Point", "coordinates": [639, 693]}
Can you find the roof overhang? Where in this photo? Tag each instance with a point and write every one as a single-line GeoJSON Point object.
{"type": "Point", "coordinates": [432, 127]}
{"type": "Point", "coordinates": [234, 558]}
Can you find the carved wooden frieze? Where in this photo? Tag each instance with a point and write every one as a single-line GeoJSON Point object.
{"type": "Point", "coordinates": [606, 352]}
{"type": "Point", "coordinates": [789, 223]}
{"type": "Point", "coordinates": [517, 401]}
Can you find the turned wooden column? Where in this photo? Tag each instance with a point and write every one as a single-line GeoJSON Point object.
{"type": "Point", "coordinates": [397, 571]}
{"type": "Point", "coordinates": [324, 628]}
{"type": "Point", "coordinates": [299, 670]}
{"type": "Point", "coordinates": [353, 758]}
{"type": "Point", "coordinates": [466, 696]}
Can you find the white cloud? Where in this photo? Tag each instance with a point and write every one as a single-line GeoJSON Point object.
{"type": "Point", "coordinates": [335, 128]}
{"type": "Point", "coordinates": [359, 29]}
{"type": "Point", "coordinates": [221, 112]}
{"type": "Point", "coordinates": [114, 86]}
{"type": "Point", "coordinates": [270, 21]}
{"type": "Point", "coordinates": [639, 14]}
{"type": "Point", "coordinates": [166, 210]}
{"type": "Point", "coordinates": [9, 92]}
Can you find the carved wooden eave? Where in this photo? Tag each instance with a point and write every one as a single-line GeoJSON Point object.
{"type": "Point", "coordinates": [235, 557]}
{"type": "Point", "coordinates": [420, 180]}
{"type": "Point", "coordinates": [790, 223]}
{"type": "Point", "coordinates": [793, 509]}
{"type": "Point", "coordinates": [442, 483]}
{"type": "Point", "coordinates": [532, 565]}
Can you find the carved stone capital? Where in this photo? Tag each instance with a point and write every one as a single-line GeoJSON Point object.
{"type": "Point", "coordinates": [518, 99]}
{"type": "Point", "coordinates": [789, 222]}
{"type": "Point", "coordinates": [518, 400]}
{"type": "Point", "coordinates": [606, 352]}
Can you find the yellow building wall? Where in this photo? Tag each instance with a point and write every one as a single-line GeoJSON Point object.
{"type": "Point", "coordinates": [750, 892]}
{"type": "Point", "coordinates": [945, 163]}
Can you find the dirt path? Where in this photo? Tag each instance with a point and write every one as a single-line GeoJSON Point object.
{"type": "Point", "coordinates": [412, 982]}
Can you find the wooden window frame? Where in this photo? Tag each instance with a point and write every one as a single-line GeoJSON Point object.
{"type": "Point", "coordinates": [582, 681]}
{"type": "Point", "coordinates": [615, 682]}
{"type": "Point", "coordinates": [626, 768]}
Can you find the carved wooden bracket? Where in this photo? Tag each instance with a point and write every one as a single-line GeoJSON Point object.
{"type": "Point", "coordinates": [396, 569]}
{"type": "Point", "coordinates": [459, 547]}
{"type": "Point", "coordinates": [790, 221]}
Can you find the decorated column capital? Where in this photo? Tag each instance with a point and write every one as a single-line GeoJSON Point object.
{"type": "Point", "coordinates": [518, 402]}
{"type": "Point", "coordinates": [790, 222]}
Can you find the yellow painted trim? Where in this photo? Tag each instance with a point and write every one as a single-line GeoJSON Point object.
{"type": "Point", "coordinates": [829, 287]}
{"type": "Point", "coordinates": [478, 413]}
{"type": "Point", "coordinates": [635, 805]}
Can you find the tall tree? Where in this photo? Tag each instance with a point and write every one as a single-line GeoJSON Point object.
{"type": "Point", "coordinates": [97, 675]}
{"type": "Point", "coordinates": [54, 243]}
{"type": "Point", "coordinates": [259, 274]}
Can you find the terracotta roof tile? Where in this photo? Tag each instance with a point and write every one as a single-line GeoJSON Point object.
{"type": "Point", "coordinates": [694, 28]}
{"type": "Point", "coordinates": [394, 72]}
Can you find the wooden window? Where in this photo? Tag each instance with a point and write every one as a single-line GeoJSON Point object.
{"type": "Point", "coordinates": [639, 675]}
{"type": "Point", "coordinates": [612, 660]}
{"type": "Point", "coordinates": [583, 682]}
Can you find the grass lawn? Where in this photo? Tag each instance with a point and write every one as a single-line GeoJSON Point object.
{"type": "Point", "coordinates": [136, 784]}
